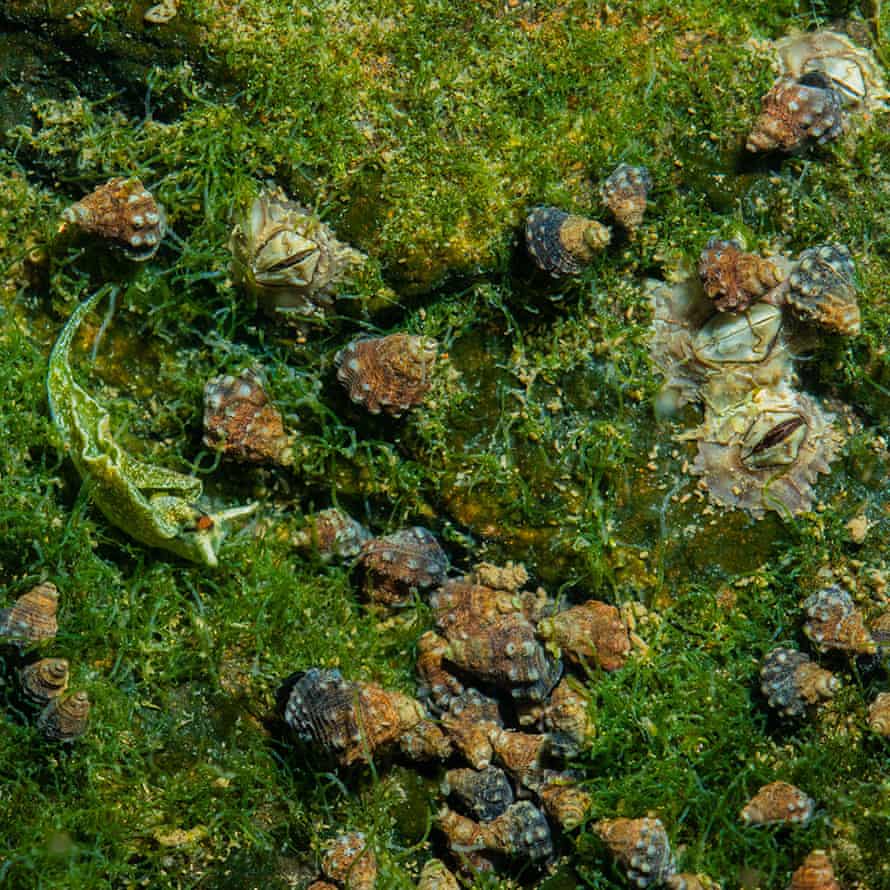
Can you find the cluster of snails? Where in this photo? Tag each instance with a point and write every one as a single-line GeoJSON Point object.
{"type": "Point", "coordinates": [562, 243]}
{"type": "Point", "coordinates": [792, 682]}
{"type": "Point", "coordinates": [26, 625]}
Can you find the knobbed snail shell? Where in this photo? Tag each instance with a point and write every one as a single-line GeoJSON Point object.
{"type": "Point", "coordinates": [791, 681]}
{"type": "Point", "coordinates": [641, 847]}
{"type": "Point", "coordinates": [816, 873]}
{"type": "Point", "coordinates": [822, 289]}
{"type": "Point", "coordinates": [834, 622]}
{"type": "Point", "coordinates": [776, 803]}
{"type": "Point", "coordinates": [625, 193]}
{"type": "Point", "coordinates": [734, 279]}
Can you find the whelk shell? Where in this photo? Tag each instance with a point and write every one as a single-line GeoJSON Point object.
{"type": "Point", "coordinates": [332, 534]}
{"type": "Point", "coordinates": [641, 847]}
{"type": "Point", "coordinates": [879, 714]}
{"type": "Point", "coordinates": [816, 873]}
{"type": "Point", "coordinates": [591, 633]}
{"type": "Point", "coordinates": [778, 803]}
{"type": "Point", "coordinates": [351, 862]}
{"type": "Point", "coordinates": [791, 681]}
{"type": "Point", "coordinates": [625, 192]}
{"type": "Point", "coordinates": [405, 561]}
{"type": "Point", "coordinates": [65, 718]}
{"type": "Point", "coordinates": [44, 680]}
{"type": "Point", "coordinates": [834, 622]}
{"type": "Point", "coordinates": [483, 794]}
{"type": "Point", "coordinates": [822, 288]}
{"type": "Point", "coordinates": [32, 617]}
{"type": "Point", "coordinates": [562, 243]}
{"type": "Point", "coordinates": [734, 279]}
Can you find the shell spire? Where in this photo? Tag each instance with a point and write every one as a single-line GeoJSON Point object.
{"type": "Point", "coordinates": [65, 718]}
{"type": "Point", "coordinates": [641, 847]}
{"type": "Point", "coordinates": [816, 873]}
{"type": "Point", "coordinates": [822, 289]}
{"type": "Point", "coordinates": [31, 618]}
{"type": "Point", "coordinates": [44, 680]}
{"type": "Point", "coordinates": [563, 243]}
{"type": "Point", "coordinates": [625, 193]}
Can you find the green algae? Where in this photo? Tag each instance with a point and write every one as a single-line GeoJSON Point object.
{"type": "Point", "coordinates": [421, 132]}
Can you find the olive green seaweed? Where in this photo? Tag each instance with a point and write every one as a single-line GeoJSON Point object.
{"type": "Point", "coordinates": [157, 506]}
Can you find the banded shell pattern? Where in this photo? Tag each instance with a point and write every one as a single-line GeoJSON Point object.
{"type": "Point", "coordinates": [625, 192]}
{"type": "Point", "coordinates": [816, 873]}
{"type": "Point", "coordinates": [563, 243]}
{"type": "Point", "coordinates": [65, 718]}
{"type": "Point", "coordinates": [834, 622]}
{"type": "Point", "coordinates": [390, 374]}
{"type": "Point", "coordinates": [31, 618]}
{"type": "Point", "coordinates": [791, 681]}
{"type": "Point", "coordinates": [241, 421]}
{"type": "Point", "coordinates": [822, 288]}
{"type": "Point", "coordinates": [778, 803]}
{"type": "Point", "coordinates": [43, 680]}
{"type": "Point", "coordinates": [879, 714]}
{"type": "Point", "coordinates": [124, 213]}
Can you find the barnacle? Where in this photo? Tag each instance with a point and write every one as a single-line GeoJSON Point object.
{"type": "Point", "coordinates": [777, 803]}
{"type": "Point", "coordinates": [32, 617]}
{"type": "Point", "coordinates": [641, 847]}
{"type": "Point", "coordinates": [288, 259]}
{"type": "Point", "coordinates": [44, 680]}
{"type": "Point", "coordinates": [125, 213]}
{"type": "Point", "coordinates": [562, 243]}
{"type": "Point", "coordinates": [734, 279]}
{"type": "Point", "coordinates": [241, 421]}
{"type": "Point", "coordinates": [822, 288]}
{"type": "Point", "coordinates": [791, 681]}
{"type": "Point", "coordinates": [390, 373]}
{"type": "Point", "coordinates": [396, 564]}
{"type": "Point", "coordinates": [331, 534]}
{"type": "Point", "coordinates": [65, 718]}
{"type": "Point", "coordinates": [795, 111]}
{"type": "Point", "coordinates": [625, 192]}
{"type": "Point", "coordinates": [766, 453]}
{"type": "Point", "coordinates": [834, 622]}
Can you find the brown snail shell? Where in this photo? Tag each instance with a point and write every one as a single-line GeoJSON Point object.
{"type": "Point", "coordinates": [435, 876]}
{"type": "Point", "coordinates": [687, 881]}
{"type": "Point", "coordinates": [834, 622]}
{"type": "Point", "coordinates": [566, 719]}
{"type": "Point", "coordinates": [437, 683]}
{"type": "Point", "coordinates": [564, 802]}
{"type": "Point", "coordinates": [483, 794]}
{"type": "Point", "coordinates": [44, 680]}
{"type": "Point", "coordinates": [591, 633]}
{"type": "Point", "coordinates": [641, 847]}
{"type": "Point", "coordinates": [125, 213]}
{"type": "Point", "coordinates": [522, 754]}
{"type": "Point", "coordinates": [778, 803]}
{"type": "Point", "coordinates": [816, 873]}
{"type": "Point", "coordinates": [879, 714]}
{"type": "Point", "coordinates": [332, 534]}
{"type": "Point", "coordinates": [425, 741]}
{"type": "Point", "coordinates": [390, 374]}
{"type": "Point", "coordinates": [241, 422]}
{"type": "Point", "coordinates": [351, 862]}
{"type": "Point", "coordinates": [470, 720]}
{"type": "Point", "coordinates": [396, 564]}
{"type": "Point", "coordinates": [322, 885]}
{"type": "Point", "coordinates": [351, 721]}
{"type": "Point", "coordinates": [65, 718]}
{"type": "Point", "coordinates": [562, 243]}
{"type": "Point", "coordinates": [734, 279]}
{"type": "Point", "coordinates": [795, 111]}
{"type": "Point", "coordinates": [791, 682]}
{"type": "Point", "coordinates": [625, 192]}
{"type": "Point", "coordinates": [521, 830]}
{"type": "Point", "coordinates": [32, 617]}
{"type": "Point", "coordinates": [822, 289]}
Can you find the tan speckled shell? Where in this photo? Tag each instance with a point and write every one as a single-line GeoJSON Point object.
{"type": "Point", "coordinates": [351, 721]}
{"type": "Point", "coordinates": [791, 681]}
{"type": "Point", "coordinates": [562, 243]}
{"type": "Point", "coordinates": [879, 714]}
{"type": "Point", "coordinates": [332, 534]}
{"type": "Point", "coordinates": [425, 741]}
{"type": "Point", "coordinates": [688, 881]}
{"type": "Point", "coordinates": [822, 289]}
{"type": "Point", "coordinates": [44, 679]}
{"type": "Point", "coordinates": [437, 683]}
{"type": "Point", "coordinates": [734, 279]}
{"type": "Point", "coordinates": [625, 192]}
{"type": "Point", "coordinates": [484, 794]}
{"type": "Point", "coordinates": [463, 606]}
{"type": "Point", "coordinates": [816, 873]}
{"type": "Point", "coordinates": [566, 717]}
{"type": "Point", "coordinates": [124, 212]}
{"type": "Point", "coordinates": [470, 721]}
{"type": "Point", "coordinates": [794, 112]}
{"type": "Point", "coordinates": [834, 622]}
{"type": "Point", "coordinates": [777, 803]}
{"type": "Point", "coordinates": [733, 448]}
{"type": "Point", "coordinates": [641, 847]}
{"type": "Point", "coordinates": [591, 633]}
{"type": "Point", "coordinates": [390, 374]}
{"type": "Point", "coordinates": [322, 885]}
{"type": "Point", "coordinates": [32, 617]}
{"type": "Point", "coordinates": [564, 802]}
{"type": "Point", "coordinates": [351, 862]}
{"type": "Point", "coordinates": [396, 564]}
{"type": "Point", "coordinates": [65, 718]}
{"type": "Point", "coordinates": [511, 577]}
{"type": "Point", "coordinates": [435, 876]}
{"type": "Point", "coordinates": [520, 753]}
{"type": "Point", "coordinates": [240, 421]}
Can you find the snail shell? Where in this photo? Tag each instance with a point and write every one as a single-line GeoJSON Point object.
{"type": "Point", "coordinates": [562, 243]}
{"type": "Point", "coordinates": [32, 617]}
{"type": "Point", "coordinates": [641, 847]}
{"type": "Point", "coordinates": [834, 622]}
{"type": "Point", "coordinates": [879, 714]}
{"type": "Point", "coordinates": [396, 564]}
{"type": "Point", "coordinates": [470, 721]}
{"type": "Point", "coordinates": [522, 754]}
{"type": "Point", "coordinates": [240, 421]}
{"type": "Point", "coordinates": [625, 192]}
{"type": "Point", "coordinates": [853, 71]}
{"type": "Point", "coordinates": [766, 453]}
{"type": "Point", "coordinates": [483, 794]}
{"type": "Point", "coordinates": [288, 259]}
{"type": "Point", "coordinates": [322, 885]}
{"type": "Point", "coordinates": [44, 680]}
{"type": "Point", "coordinates": [591, 633]}
{"type": "Point", "coordinates": [734, 279]}
{"type": "Point", "coordinates": [390, 374]}
{"type": "Point", "coordinates": [687, 881]}
{"type": "Point", "coordinates": [822, 288]}
{"type": "Point", "coordinates": [332, 534]}
{"type": "Point", "coordinates": [523, 830]}
{"type": "Point", "coordinates": [816, 873]}
{"type": "Point", "coordinates": [65, 718]}
{"type": "Point", "coordinates": [425, 741]}
{"type": "Point", "coordinates": [351, 862]}
{"type": "Point", "coordinates": [435, 876]}
{"type": "Point", "coordinates": [566, 719]}
{"type": "Point", "coordinates": [795, 111]}
{"type": "Point", "coordinates": [790, 681]}
{"type": "Point", "coordinates": [563, 801]}
{"type": "Point", "coordinates": [124, 212]}
{"type": "Point", "coordinates": [778, 803]}
{"type": "Point", "coordinates": [438, 684]}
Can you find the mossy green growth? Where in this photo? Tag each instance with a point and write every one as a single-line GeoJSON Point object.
{"type": "Point", "coordinates": [422, 133]}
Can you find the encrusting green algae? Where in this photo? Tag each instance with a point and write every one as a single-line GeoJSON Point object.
{"type": "Point", "coordinates": [422, 134]}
